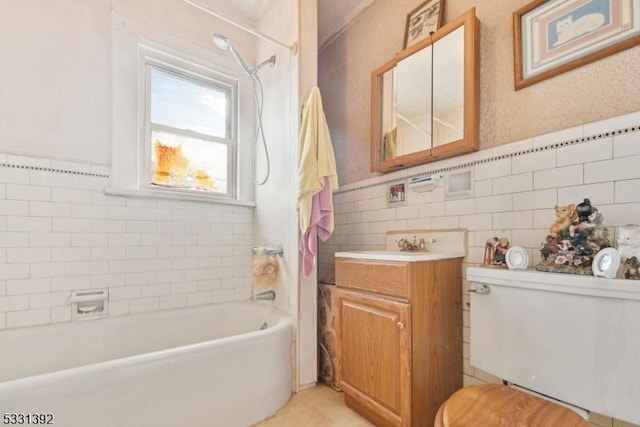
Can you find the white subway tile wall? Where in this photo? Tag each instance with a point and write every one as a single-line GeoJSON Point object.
{"type": "Point", "coordinates": [59, 232]}
{"type": "Point", "coordinates": [514, 197]}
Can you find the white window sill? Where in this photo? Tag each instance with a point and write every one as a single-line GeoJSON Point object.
{"type": "Point", "coordinates": [167, 194]}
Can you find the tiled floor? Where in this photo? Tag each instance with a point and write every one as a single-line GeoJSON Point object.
{"type": "Point", "coordinates": [324, 407]}
{"type": "Point", "coordinates": [317, 407]}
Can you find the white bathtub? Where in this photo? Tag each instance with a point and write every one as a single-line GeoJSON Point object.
{"type": "Point", "coordinates": [206, 366]}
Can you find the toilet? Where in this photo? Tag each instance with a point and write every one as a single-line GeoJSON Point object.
{"type": "Point", "coordinates": [562, 343]}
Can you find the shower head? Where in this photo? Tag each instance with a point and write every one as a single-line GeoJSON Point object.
{"type": "Point", "coordinates": [223, 42]}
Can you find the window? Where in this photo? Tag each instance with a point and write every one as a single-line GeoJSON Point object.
{"type": "Point", "coordinates": [189, 142]}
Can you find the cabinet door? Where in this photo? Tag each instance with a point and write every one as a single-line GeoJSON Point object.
{"type": "Point", "coordinates": [374, 356]}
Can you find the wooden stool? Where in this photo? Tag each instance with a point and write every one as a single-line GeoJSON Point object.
{"type": "Point", "coordinates": [496, 405]}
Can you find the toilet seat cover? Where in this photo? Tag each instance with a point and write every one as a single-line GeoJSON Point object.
{"type": "Point", "coordinates": [485, 405]}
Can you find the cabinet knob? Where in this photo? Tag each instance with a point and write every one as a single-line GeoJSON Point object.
{"type": "Point", "coordinates": [400, 325]}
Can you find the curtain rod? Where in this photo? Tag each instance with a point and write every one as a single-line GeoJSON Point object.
{"type": "Point", "coordinates": [246, 28]}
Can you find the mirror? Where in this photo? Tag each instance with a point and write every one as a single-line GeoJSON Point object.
{"type": "Point", "coordinates": [425, 100]}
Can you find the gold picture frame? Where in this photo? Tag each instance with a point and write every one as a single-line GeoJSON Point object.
{"type": "Point", "coordinates": [551, 37]}
{"type": "Point", "coordinates": [422, 21]}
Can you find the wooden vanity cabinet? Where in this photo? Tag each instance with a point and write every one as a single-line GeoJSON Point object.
{"type": "Point", "coordinates": [399, 337]}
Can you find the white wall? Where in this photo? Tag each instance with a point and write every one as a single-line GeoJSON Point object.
{"type": "Point", "coordinates": [276, 219]}
{"type": "Point", "coordinates": [56, 86]}
{"type": "Point", "coordinates": [308, 287]}
{"type": "Point", "coordinates": [273, 211]}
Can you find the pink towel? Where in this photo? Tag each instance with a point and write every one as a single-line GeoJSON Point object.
{"type": "Point", "coordinates": [321, 210]}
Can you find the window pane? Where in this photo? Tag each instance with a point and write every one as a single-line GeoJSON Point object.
{"type": "Point", "coordinates": [190, 163]}
{"type": "Point", "coordinates": [186, 104]}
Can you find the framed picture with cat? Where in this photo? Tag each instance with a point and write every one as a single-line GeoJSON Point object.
{"type": "Point", "coordinates": [554, 36]}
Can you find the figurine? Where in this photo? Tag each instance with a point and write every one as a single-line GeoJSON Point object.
{"type": "Point", "coordinates": [565, 216]}
{"type": "Point", "coordinates": [628, 241]}
{"type": "Point", "coordinates": [544, 251]}
{"type": "Point", "coordinates": [631, 268]}
{"type": "Point", "coordinates": [598, 231]}
{"type": "Point", "coordinates": [495, 251]}
{"type": "Point", "coordinates": [574, 239]}
{"type": "Point", "coordinates": [580, 242]}
{"type": "Point", "coordinates": [500, 253]}
{"type": "Point", "coordinates": [583, 210]}
{"type": "Point", "coordinates": [489, 249]}
{"type": "Point", "coordinates": [552, 243]}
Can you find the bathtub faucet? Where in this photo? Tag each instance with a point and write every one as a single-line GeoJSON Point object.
{"type": "Point", "coordinates": [263, 296]}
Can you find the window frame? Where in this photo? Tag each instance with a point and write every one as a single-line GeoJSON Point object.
{"type": "Point", "coordinates": [196, 73]}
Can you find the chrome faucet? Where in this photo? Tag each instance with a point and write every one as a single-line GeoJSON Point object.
{"type": "Point", "coordinates": [406, 245]}
{"type": "Point", "coordinates": [263, 296]}
{"type": "Point", "coordinates": [421, 245]}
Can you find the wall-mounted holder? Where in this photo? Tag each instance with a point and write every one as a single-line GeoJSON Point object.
{"type": "Point", "coordinates": [425, 183]}
{"type": "Point", "coordinates": [89, 304]}
{"type": "Point", "coordinates": [268, 250]}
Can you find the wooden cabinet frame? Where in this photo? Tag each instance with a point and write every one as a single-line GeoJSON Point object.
{"type": "Point", "coordinates": [417, 322]}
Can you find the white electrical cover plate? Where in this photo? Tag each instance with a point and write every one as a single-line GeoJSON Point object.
{"type": "Point", "coordinates": [517, 258]}
{"type": "Point", "coordinates": [606, 263]}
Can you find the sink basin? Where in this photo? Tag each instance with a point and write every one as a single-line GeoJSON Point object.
{"type": "Point", "coordinates": [441, 244]}
{"type": "Point", "coordinates": [400, 256]}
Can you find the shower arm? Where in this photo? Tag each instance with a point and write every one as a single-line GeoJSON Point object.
{"type": "Point", "coordinates": [270, 61]}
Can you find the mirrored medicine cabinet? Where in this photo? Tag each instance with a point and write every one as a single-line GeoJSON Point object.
{"type": "Point", "coordinates": [425, 101]}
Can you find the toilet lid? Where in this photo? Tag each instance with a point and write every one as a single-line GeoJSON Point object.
{"type": "Point", "coordinates": [486, 405]}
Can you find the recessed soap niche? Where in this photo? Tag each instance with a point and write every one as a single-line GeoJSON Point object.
{"type": "Point", "coordinates": [89, 304]}
{"type": "Point", "coordinates": [459, 184]}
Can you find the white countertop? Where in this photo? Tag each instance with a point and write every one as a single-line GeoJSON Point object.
{"type": "Point", "coordinates": [400, 256]}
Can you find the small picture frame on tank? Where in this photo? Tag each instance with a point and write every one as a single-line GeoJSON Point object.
{"type": "Point", "coordinates": [397, 194]}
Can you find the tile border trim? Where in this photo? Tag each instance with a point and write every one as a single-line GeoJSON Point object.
{"type": "Point", "coordinates": [553, 146]}
{"type": "Point", "coordinates": [51, 169]}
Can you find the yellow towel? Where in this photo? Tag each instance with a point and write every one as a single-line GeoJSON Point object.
{"type": "Point", "coordinates": [391, 144]}
{"type": "Point", "coordinates": [315, 158]}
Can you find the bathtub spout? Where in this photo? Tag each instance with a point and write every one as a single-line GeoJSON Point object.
{"type": "Point", "coordinates": [263, 296]}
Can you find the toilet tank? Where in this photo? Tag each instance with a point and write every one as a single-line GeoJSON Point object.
{"type": "Point", "coordinates": [574, 338]}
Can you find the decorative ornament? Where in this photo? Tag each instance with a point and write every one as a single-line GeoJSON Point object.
{"type": "Point", "coordinates": [574, 239]}
{"type": "Point", "coordinates": [495, 252]}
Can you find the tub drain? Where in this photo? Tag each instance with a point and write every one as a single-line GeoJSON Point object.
{"type": "Point", "coordinates": [263, 326]}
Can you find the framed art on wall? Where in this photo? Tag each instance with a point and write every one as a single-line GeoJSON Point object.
{"type": "Point", "coordinates": [554, 36]}
{"type": "Point", "coordinates": [422, 21]}
{"type": "Point", "coordinates": [396, 194]}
